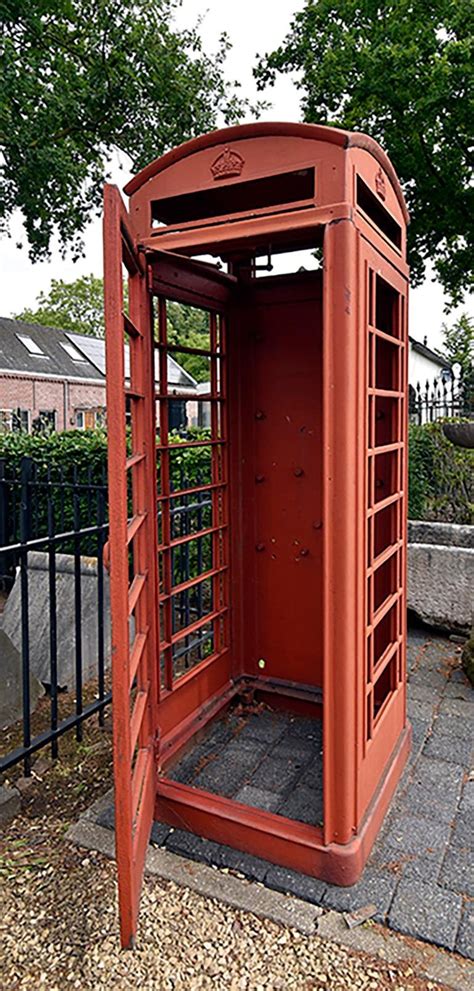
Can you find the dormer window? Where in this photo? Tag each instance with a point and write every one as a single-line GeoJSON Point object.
{"type": "Point", "coordinates": [31, 346]}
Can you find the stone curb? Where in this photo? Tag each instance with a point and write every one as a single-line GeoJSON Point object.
{"type": "Point", "coordinates": [207, 881]}
{"type": "Point", "coordinates": [376, 940]}
{"type": "Point", "coordinates": [425, 959]}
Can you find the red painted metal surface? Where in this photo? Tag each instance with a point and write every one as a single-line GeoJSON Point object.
{"type": "Point", "coordinates": [281, 429]}
{"type": "Point", "coordinates": [132, 530]}
{"type": "Point", "coordinates": [306, 485]}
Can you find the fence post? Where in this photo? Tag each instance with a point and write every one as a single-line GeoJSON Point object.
{"type": "Point", "coordinates": [100, 599]}
{"type": "Point", "coordinates": [26, 472]}
{"type": "Point", "coordinates": [77, 604]}
{"type": "Point", "coordinates": [3, 519]}
{"type": "Point", "coordinates": [25, 531]}
{"type": "Point", "coordinates": [53, 637]}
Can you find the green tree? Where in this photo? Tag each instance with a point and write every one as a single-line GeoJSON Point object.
{"type": "Point", "coordinates": [190, 327]}
{"type": "Point", "coordinates": [81, 78]}
{"type": "Point", "coordinates": [75, 306]}
{"type": "Point", "coordinates": [458, 346]}
{"type": "Point", "coordinates": [402, 72]}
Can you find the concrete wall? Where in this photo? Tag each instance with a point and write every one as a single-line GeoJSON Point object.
{"type": "Point", "coordinates": [11, 684]}
{"type": "Point", "coordinates": [39, 618]}
{"type": "Point", "coordinates": [441, 574]}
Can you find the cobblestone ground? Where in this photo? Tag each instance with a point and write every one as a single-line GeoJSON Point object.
{"type": "Point", "coordinates": [421, 870]}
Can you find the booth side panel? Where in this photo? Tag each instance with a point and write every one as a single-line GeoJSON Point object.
{"type": "Point", "coordinates": [113, 301]}
{"type": "Point", "coordinates": [342, 450]}
{"type": "Point", "coordinates": [382, 326]}
{"type": "Point", "coordinates": [286, 478]}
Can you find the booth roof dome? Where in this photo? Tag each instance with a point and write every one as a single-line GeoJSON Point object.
{"type": "Point", "coordinates": [316, 132]}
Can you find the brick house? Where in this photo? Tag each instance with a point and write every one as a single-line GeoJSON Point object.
{"type": "Point", "coordinates": [52, 379]}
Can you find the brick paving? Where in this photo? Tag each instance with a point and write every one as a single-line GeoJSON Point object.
{"type": "Point", "coordinates": [421, 870]}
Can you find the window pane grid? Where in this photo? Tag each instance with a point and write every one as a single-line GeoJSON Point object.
{"type": "Point", "coordinates": [192, 490]}
{"type": "Point", "coordinates": [385, 482]}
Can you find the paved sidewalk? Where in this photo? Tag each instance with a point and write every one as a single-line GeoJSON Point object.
{"type": "Point", "coordinates": [421, 870]}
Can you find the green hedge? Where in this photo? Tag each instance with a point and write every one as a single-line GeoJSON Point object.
{"type": "Point", "coordinates": [73, 451]}
{"type": "Point", "coordinates": [83, 454]}
{"type": "Point", "coordinates": [62, 464]}
{"type": "Point", "coordinates": [441, 477]}
{"type": "Point", "coordinates": [73, 459]}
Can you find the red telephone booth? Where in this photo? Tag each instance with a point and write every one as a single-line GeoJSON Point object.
{"type": "Point", "coordinates": [305, 491]}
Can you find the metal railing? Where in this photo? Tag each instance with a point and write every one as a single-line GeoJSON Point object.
{"type": "Point", "coordinates": [52, 512]}
{"type": "Point", "coordinates": [56, 513]}
{"type": "Point", "coordinates": [439, 400]}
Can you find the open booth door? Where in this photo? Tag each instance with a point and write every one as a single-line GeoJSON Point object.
{"type": "Point", "coordinates": [133, 573]}
{"type": "Point", "coordinates": [151, 689]}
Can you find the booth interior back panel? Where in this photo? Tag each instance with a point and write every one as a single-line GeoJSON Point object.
{"type": "Point", "coordinates": [282, 419]}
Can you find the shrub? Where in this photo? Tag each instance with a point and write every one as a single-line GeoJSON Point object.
{"type": "Point", "coordinates": [441, 477]}
{"type": "Point", "coordinates": [68, 471]}
{"type": "Point", "coordinates": [81, 453]}
{"type": "Point", "coordinates": [73, 459]}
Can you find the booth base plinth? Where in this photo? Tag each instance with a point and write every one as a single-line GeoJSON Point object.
{"type": "Point", "coordinates": [254, 781]}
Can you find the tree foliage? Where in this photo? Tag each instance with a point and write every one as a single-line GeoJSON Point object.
{"type": "Point", "coordinates": [190, 327]}
{"type": "Point", "coordinates": [76, 306]}
{"type": "Point", "coordinates": [458, 342]}
{"type": "Point", "coordinates": [458, 346]}
{"type": "Point", "coordinates": [401, 71]}
{"type": "Point", "coordinates": [81, 78]}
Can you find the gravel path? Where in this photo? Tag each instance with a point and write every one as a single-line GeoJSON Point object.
{"type": "Point", "coordinates": [58, 915]}
{"type": "Point", "coordinates": [59, 930]}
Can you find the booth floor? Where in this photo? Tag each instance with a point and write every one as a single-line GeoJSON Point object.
{"type": "Point", "coordinates": [420, 874]}
{"type": "Point", "coordinates": [266, 759]}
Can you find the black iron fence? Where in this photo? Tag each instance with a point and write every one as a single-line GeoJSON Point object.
{"type": "Point", "coordinates": [438, 400]}
{"type": "Point", "coordinates": [52, 513]}
{"type": "Point", "coordinates": [33, 500]}
{"type": "Point", "coordinates": [60, 517]}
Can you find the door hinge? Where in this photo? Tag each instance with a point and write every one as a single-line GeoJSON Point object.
{"type": "Point", "coordinates": [149, 277]}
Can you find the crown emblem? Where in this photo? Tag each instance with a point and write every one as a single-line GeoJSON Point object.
{"type": "Point", "coordinates": [380, 184]}
{"type": "Point", "coordinates": [227, 164]}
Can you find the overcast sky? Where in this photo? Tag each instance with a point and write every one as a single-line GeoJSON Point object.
{"type": "Point", "coordinates": [254, 27]}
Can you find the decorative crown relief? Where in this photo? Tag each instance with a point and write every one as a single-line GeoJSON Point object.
{"type": "Point", "coordinates": [228, 163]}
{"type": "Point", "coordinates": [380, 184]}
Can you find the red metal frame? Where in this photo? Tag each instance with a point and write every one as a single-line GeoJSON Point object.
{"type": "Point", "coordinates": [135, 686]}
{"type": "Point", "coordinates": [307, 487]}
{"type": "Point", "coordinates": [217, 574]}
